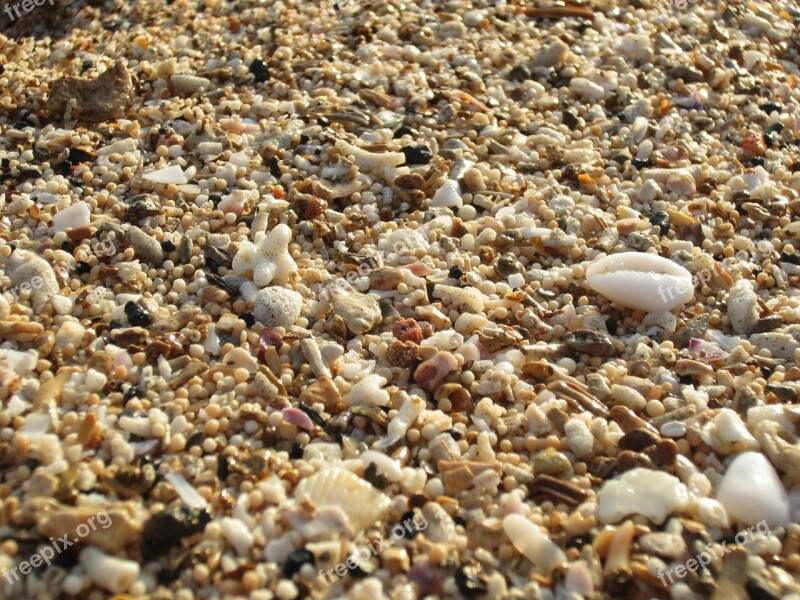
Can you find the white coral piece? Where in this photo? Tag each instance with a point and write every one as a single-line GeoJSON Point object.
{"type": "Point", "coordinates": [268, 260]}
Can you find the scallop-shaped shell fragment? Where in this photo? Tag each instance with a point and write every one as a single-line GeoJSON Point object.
{"type": "Point", "coordinates": [362, 503]}
{"type": "Point", "coordinates": [641, 281]}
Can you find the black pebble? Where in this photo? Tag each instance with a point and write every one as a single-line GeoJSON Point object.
{"type": "Point", "coordinates": [417, 155]}
{"type": "Point", "coordinates": [215, 199]}
{"type": "Point", "coordinates": [296, 560]}
{"type": "Point", "coordinates": [323, 122]}
{"type": "Point", "coordinates": [259, 71]}
{"type": "Point", "coordinates": [429, 287]}
{"type": "Point", "coordinates": [771, 107]}
{"type": "Point", "coordinates": [408, 525]}
{"type": "Point", "coordinates": [167, 246]}
{"type": "Point", "coordinates": [29, 172]}
{"type": "Point", "coordinates": [405, 130]}
{"type": "Point", "coordinates": [570, 119]}
{"type": "Point", "coordinates": [222, 468]}
{"type": "Point", "coordinates": [519, 73]}
{"type": "Point", "coordinates": [137, 316]}
{"type": "Point", "coordinates": [83, 267]}
{"type": "Point", "coordinates": [791, 259]}
{"type": "Point", "coordinates": [774, 128]}
{"type": "Point", "coordinates": [76, 155]}
{"type": "Point", "coordinates": [62, 168]}
{"type": "Point", "coordinates": [456, 272]}
{"type": "Point", "coordinates": [641, 164]}
{"type": "Point", "coordinates": [248, 319]}
{"type": "Point", "coordinates": [661, 220]}
{"type": "Point", "coordinates": [165, 529]}
{"type": "Point", "coordinates": [274, 168]}
{"type": "Point", "coordinates": [167, 575]}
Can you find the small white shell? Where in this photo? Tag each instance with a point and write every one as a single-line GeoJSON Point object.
{"type": "Point", "coordinates": [447, 195]}
{"type": "Point", "coordinates": [361, 502]}
{"type": "Point", "coordinates": [641, 281]}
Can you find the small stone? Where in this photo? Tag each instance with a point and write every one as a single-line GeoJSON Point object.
{"type": "Point", "coordinates": [94, 100]}
{"type": "Point", "coordinates": [137, 316]}
{"type": "Point", "coordinates": [146, 246]}
{"type": "Point", "coordinates": [637, 440]}
{"type": "Point", "coordinates": [666, 545]}
{"type": "Point", "coordinates": [661, 220]}
{"type": "Point", "coordinates": [473, 180]}
{"type": "Point", "coordinates": [189, 84]}
{"type": "Point", "coordinates": [551, 462]}
{"type": "Point", "coordinates": [519, 73]}
{"type": "Point", "coordinates": [402, 354]}
{"type": "Point", "coordinates": [360, 312]}
{"type": "Point", "coordinates": [70, 332]}
{"type": "Point", "coordinates": [594, 343]}
{"type": "Point", "coordinates": [322, 391]}
{"type": "Point", "coordinates": [556, 53]}
{"type": "Point", "coordinates": [386, 278]}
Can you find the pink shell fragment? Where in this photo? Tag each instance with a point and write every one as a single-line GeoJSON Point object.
{"type": "Point", "coordinates": [419, 269]}
{"type": "Point", "coordinates": [295, 416]}
{"type": "Point", "coordinates": [706, 351]}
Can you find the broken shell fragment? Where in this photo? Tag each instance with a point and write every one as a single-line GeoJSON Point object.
{"type": "Point", "coordinates": [641, 281]}
{"type": "Point", "coordinates": [529, 540]}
